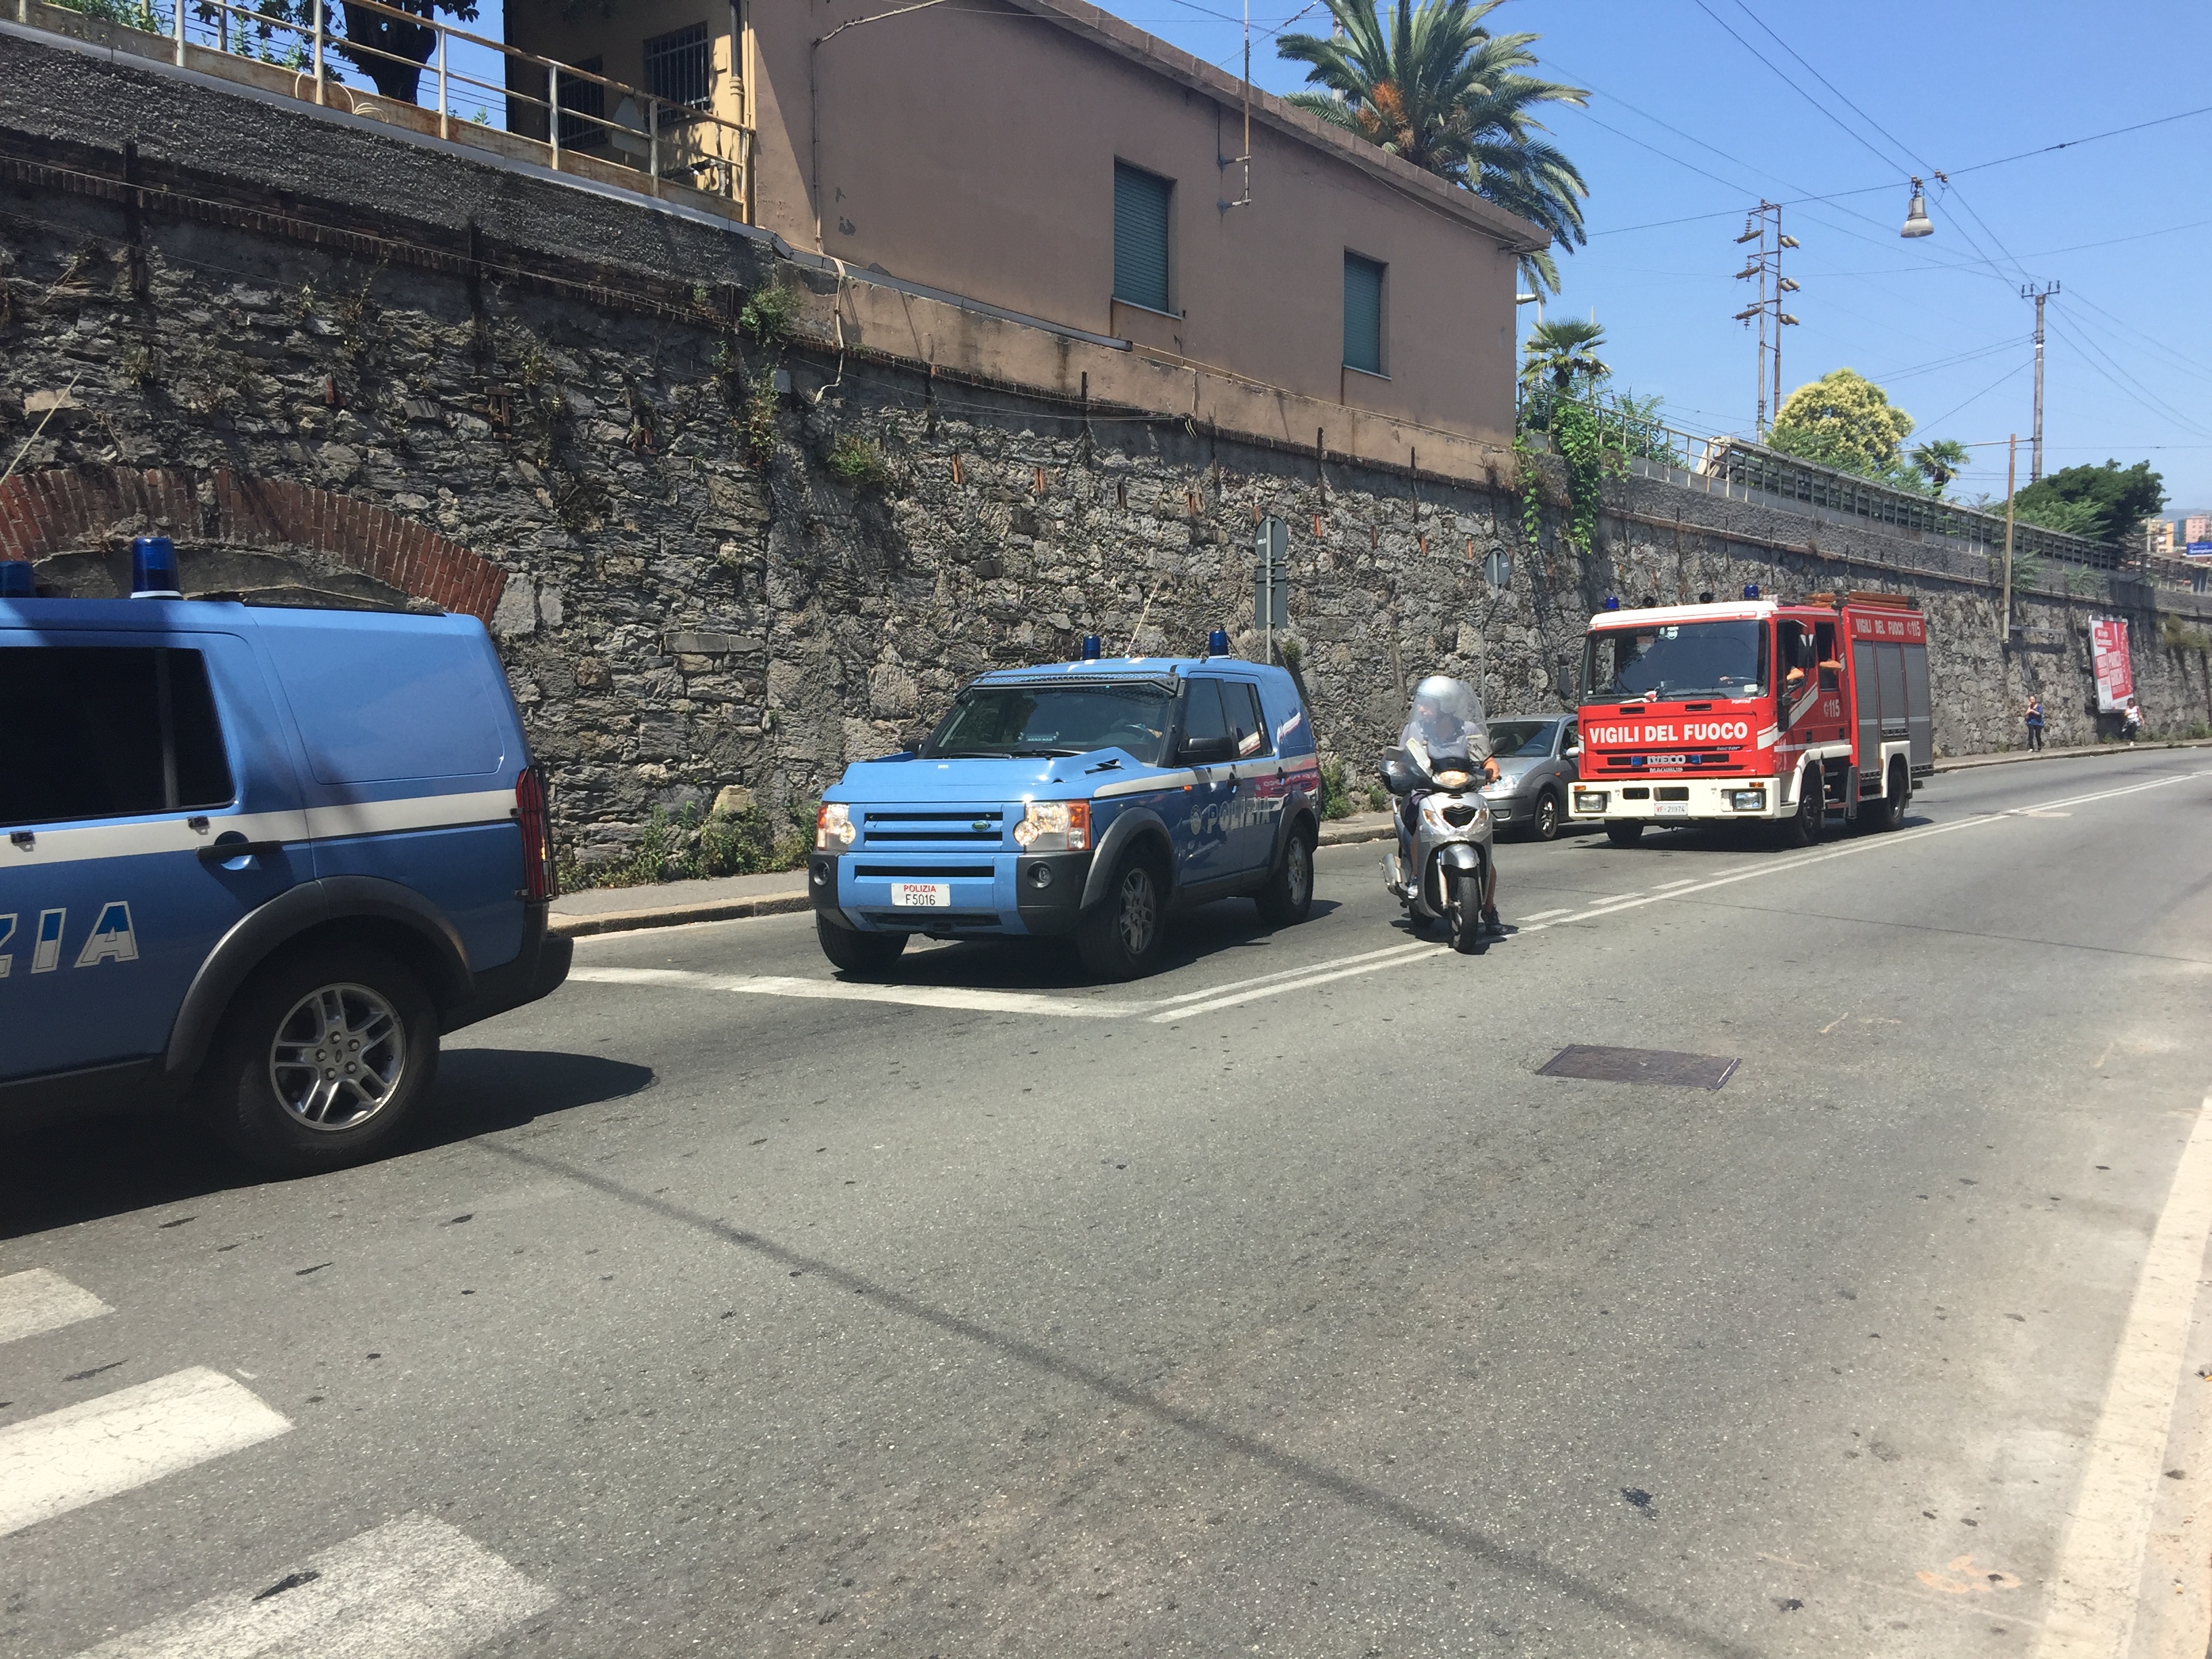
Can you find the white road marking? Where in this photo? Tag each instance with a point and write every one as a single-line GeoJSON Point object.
{"type": "Point", "coordinates": [52, 1464]}
{"type": "Point", "coordinates": [1545, 915]}
{"type": "Point", "coordinates": [833, 990]}
{"type": "Point", "coordinates": [1403, 954]}
{"type": "Point", "coordinates": [1287, 973]}
{"type": "Point", "coordinates": [413, 1588]}
{"type": "Point", "coordinates": [37, 1300]}
{"type": "Point", "coordinates": [2091, 1613]}
{"type": "Point", "coordinates": [1667, 886]}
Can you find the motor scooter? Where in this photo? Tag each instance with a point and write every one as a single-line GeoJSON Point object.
{"type": "Point", "coordinates": [1451, 846]}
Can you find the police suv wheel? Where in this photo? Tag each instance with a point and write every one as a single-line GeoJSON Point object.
{"type": "Point", "coordinates": [855, 952]}
{"type": "Point", "coordinates": [1120, 938]}
{"type": "Point", "coordinates": [325, 1055]}
{"type": "Point", "coordinates": [1288, 897]}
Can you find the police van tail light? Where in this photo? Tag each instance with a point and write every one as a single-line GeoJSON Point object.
{"type": "Point", "coordinates": [539, 883]}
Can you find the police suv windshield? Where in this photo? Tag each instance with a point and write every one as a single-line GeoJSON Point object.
{"type": "Point", "coordinates": [1674, 661]}
{"type": "Point", "coordinates": [996, 721]}
{"type": "Point", "coordinates": [1510, 738]}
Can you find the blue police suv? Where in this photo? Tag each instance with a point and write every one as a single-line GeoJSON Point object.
{"type": "Point", "coordinates": [256, 859]}
{"type": "Point", "coordinates": [1084, 798]}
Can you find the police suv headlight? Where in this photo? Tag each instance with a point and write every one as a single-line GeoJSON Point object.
{"type": "Point", "coordinates": [1054, 826]}
{"type": "Point", "coordinates": [1590, 800]}
{"type": "Point", "coordinates": [833, 822]}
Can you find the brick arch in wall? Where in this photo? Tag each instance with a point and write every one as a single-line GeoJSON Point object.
{"type": "Point", "coordinates": [80, 509]}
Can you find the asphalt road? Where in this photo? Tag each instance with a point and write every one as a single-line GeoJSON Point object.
{"type": "Point", "coordinates": [1275, 1305]}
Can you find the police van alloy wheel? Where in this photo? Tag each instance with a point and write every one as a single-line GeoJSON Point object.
{"type": "Point", "coordinates": [1546, 824]}
{"type": "Point", "coordinates": [856, 952]}
{"type": "Point", "coordinates": [1288, 895]}
{"type": "Point", "coordinates": [325, 1055]}
{"type": "Point", "coordinates": [1121, 938]}
{"type": "Point", "coordinates": [1625, 832]}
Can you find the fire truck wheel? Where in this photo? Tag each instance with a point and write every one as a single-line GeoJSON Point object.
{"type": "Point", "coordinates": [1812, 816]}
{"type": "Point", "coordinates": [1625, 832]}
{"type": "Point", "coordinates": [1888, 812]}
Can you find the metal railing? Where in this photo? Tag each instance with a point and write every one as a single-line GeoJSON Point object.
{"type": "Point", "coordinates": [662, 141]}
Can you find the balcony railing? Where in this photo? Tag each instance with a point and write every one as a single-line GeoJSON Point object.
{"type": "Point", "coordinates": [595, 127]}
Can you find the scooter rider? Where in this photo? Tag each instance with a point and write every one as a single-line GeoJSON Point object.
{"type": "Point", "coordinates": [1448, 723]}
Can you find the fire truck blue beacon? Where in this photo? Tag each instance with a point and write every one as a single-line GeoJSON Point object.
{"type": "Point", "coordinates": [1084, 800]}
{"type": "Point", "coordinates": [256, 861]}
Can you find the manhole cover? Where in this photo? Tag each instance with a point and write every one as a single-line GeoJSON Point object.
{"type": "Point", "coordinates": [1640, 1066]}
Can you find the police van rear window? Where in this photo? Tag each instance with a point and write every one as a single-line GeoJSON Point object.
{"type": "Point", "coordinates": [101, 732]}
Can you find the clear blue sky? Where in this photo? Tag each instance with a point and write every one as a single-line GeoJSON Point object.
{"type": "Point", "coordinates": [1685, 124]}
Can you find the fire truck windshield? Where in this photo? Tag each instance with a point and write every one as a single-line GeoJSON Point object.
{"type": "Point", "coordinates": [1674, 661]}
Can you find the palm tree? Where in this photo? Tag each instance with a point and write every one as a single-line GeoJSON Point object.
{"type": "Point", "coordinates": [1563, 353]}
{"type": "Point", "coordinates": [1939, 461]}
{"type": "Point", "coordinates": [1442, 92]}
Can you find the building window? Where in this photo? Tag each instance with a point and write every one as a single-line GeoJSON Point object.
{"type": "Point", "coordinates": [679, 67]}
{"type": "Point", "coordinates": [1141, 201]}
{"type": "Point", "coordinates": [1363, 313]}
{"type": "Point", "coordinates": [583, 107]}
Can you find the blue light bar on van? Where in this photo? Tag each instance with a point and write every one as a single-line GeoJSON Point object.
{"type": "Point", "coordinates": [15, 580]}
{"type": "Point", "coordinates": [154, 569]}
{"type": "Point", "coordinates": [1750, 590]}
{"type": "Point", "coordinates": [1091, 647]}
{"type": "Point", "coordinates": [1612, 602]}
{"type": "Point", "coordinates": [1217, 643]}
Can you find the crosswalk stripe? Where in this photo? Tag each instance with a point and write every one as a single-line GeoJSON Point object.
{"type": "Point", "coordinates": [38, 1300]}
{"type": "Point", "coordinates": [413, 1588]}
{"type": "Point", "coordinates": [52, 1464]}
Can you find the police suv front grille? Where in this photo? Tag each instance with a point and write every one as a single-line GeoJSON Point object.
{"type": "Point", "coordinates": [984, 827]}
{"type": "Point", "coordinates": [923, 872]}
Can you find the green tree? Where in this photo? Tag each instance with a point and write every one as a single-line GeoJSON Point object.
{"type": "Point", "coordinates": [2104, 503]}
{"type": "Point", "coordinates": [1939, 461]}
{"type": "Point", "coordinates": [1438, 88]}
{"type": "Point", "coordinates": [1844, 421]}
{"type": "Point", "coordinates": [1559, 353]}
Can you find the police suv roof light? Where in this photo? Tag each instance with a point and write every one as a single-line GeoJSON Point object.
{"type": "Point", "coordinates": [1750, 590]}
{"type": "Point", "coordinates": [1091, 646]}
{"type": "Point", "coordinates": [154, 569]}
{"type": "Point", "coordinates": [1612, 602]}
{"type": "Point", "coordinates": [15, 580]}
{"type": "Point", "coordinates": [1217, 643]}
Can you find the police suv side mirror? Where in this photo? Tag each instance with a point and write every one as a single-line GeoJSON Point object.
{"type": "Point", "coordinates": [1206, 751]}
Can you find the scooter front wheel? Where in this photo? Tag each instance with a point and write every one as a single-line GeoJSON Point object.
{"type": "Point", "coordinates": [1465, 913]}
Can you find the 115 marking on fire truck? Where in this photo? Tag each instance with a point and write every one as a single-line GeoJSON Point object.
{"type": "Point", "coordinates": [112, 940]}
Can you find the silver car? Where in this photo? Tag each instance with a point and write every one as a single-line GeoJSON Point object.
{"type": "Point", "coordinates": [1534, 769]}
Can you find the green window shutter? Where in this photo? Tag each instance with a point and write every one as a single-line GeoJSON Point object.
{"type": "Point", "coordinates": [1140, 236]}
{"type": "Point", "coordinates": [1362, 314]}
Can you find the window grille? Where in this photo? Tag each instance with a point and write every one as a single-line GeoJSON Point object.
{"type": "Point", "coordinates": [679, 67]}
{"type": "Point", "coordinates": [1362, 314]}
{"type": "Point", "coordinates": [581, 101]}
{"type": "Point", "coordinates": [1141, 201]}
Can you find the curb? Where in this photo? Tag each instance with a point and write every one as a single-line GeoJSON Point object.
{"type": "Point", "coordinates": [1976, 762]}
{"type": "Point", "coordinates": [678, 915]}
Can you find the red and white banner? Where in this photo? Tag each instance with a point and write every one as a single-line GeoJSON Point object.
{"type": "Point", "coordinates": [2108, 654]}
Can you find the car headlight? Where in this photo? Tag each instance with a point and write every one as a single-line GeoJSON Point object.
{"type": "Point", "coordinates": [1054, 826]}
{"type": "Point", "coordinates": [833, 822]}
{"type": "Point", "coordinates": [1501, 785]}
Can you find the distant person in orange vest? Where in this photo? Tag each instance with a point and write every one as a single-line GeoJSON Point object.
{"type": "Point", "coordinates": [2035, 725]}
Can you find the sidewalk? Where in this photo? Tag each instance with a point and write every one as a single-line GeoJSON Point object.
{"type": "Point", "coordinates": [673, 903]}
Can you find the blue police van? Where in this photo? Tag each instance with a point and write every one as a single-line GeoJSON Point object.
{"type": "Point", "coordinates": [1082, 799]}
{"type": "Point", "coordinates": [257, 860]}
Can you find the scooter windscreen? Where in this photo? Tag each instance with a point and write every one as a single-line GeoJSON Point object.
{"type": "Point", "coordinates": [1447, 724]}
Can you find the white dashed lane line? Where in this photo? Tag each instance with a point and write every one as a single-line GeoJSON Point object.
{"type": "Point", "coordinates": [38, 1301]}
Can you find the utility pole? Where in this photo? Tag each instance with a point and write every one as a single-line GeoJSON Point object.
{"type": "Point", "coordinates": [2012, 460]}
{"type": "Point", "coordinates": [1764, 262]}
{"type": "Point", "coordinates": [2037, 294]}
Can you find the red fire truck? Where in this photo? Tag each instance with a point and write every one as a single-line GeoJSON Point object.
{"type": "Point", "coordinates": [1753, 710]}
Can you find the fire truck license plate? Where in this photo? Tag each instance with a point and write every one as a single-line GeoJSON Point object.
{"type": "Point", "coordinates": [922, 895]}
{"type": "Point", "coordinates": [1672, 809]}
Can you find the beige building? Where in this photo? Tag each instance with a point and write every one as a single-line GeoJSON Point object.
{"type": "Point", "coordinates": [1044, 157]}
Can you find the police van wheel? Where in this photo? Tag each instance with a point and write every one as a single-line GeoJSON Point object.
{"type": "Point", "coordinates": [1120, 938]}
{"type": "Point", "coordinates": [1625, 832]}
{"type": "Point", "coordinates": [855, 952]}
{"type": "Point", "coordinates": [324, 1056]}
{"type": "Point", "coordinates": [1288, 897]}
